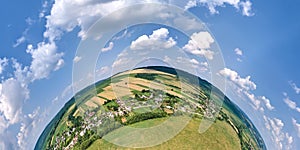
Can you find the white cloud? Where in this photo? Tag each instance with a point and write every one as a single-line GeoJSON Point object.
{"type": "Point", "coordinates": [120, 61]}
{"type": "Point", "coordinates": [295, 87]}
{"type": "Point", "coordinates": [200, 44]}
{"type": "Point", "coordinates": [156, 41]}
{"type": "Point", "coordinates": [19, 41]}
{"type": "Point", "coordinates": [245, 6]}
{"type": "Point", "coordinates": [22, 74]}
{"type": "Point", "coordinates": [7, 140]}
{"type": "Point", "coordinates": [29, 21]}
{"type": "Point", "coordinates": [233, 76]}
{"type": "Point", "coordinates": [77, 59]}
{"type": "Point", "coordinates": [296, 126]}
{"type": "Point", "coordinates": [45, 59]}
{"type": "Point", "coordinates": [66, 94]}
{"type": "Point", "coordinates": [68, 91]}
{"type": "Point", "coordinates": [187, 62]}
{"type": "Point", "coordinates": [3, 122]}
{"type": "Point", "coordinates": [190, 4]}
{"type": "Point", "coordinates": [206, 53]}
{"type": "Point", "coordinates": [238, 52]}
{"type": "Point", "coordinates": [267, 103]}
{"type": "Point", "coordinates": [188, 23]}
{"type": "Point", "coordinates": [30, 122]}
{"type": "Point", "coordinates": [204, 66]}
{"type": "Point", "coordinates": [3, 64]}
{"type": "Point", "coordinates": [245, 86]}
{"type": "Point", "coordinates": [44, 9]}
{"type": "Point", "coordinates": [202, 40]}
{"type": "Point", "coordinates": [67, 14]}
{"type": "Point", "coordinates": [291, 104]}
{"type": "Point", "coordinates": [289, 140]}
{"type": "Point", "coordinates": [103, 72]}
{"type": "Point", "coordinates": [256, 103]}
{"type": "Point", "coordinates": [12, 97]}
{"type": "Point", "coordinates": [167, 59]}
{"type": "Point", "coordinates": [108, 48]}
{"type": "Point", "coordinates": [59, 64]}
{"type": "Point", "coordinates": [55, 100]}
{"type": "Point", "coordinates": [33, 125]}
{"type": "Point", "coordinates": [282, 139]}
{"type": "Point", "coordinates": [125, 34]}
{"type": "Point", "coordinates": [194, 61]}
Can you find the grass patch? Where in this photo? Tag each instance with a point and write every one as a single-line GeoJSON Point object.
{"type": "Point", "coordinates": [219, 136]}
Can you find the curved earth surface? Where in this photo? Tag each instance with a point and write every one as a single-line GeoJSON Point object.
{"type": "Point", "coordinates": [150, 108]}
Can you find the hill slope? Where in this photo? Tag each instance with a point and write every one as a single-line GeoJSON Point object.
{"type": "Point", "coordinates": [145, 96]}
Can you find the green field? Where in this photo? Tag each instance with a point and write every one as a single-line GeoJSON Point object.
{"type": "Point", "coordinates": [145, 114]}
{"type": "Point", "coordinates": [219, 136]}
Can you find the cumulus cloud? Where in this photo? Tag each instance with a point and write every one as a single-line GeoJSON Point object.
{"type": "Point", "coordinates": [233, 76]}
{"type": "Point", "coordinates": [29, 123]}
{"type": "Point", "coordinates": [246, 86]}
{"type": "Point", "coordinates": [190, 4]}
{"type": "Point", "coordinates": [291, 104]}
{"type": "Point", "coordinates": [159, 39]}
{"type": "Point", "coordinates": [19, 41]}
{"type": "Point", "coordinates": [267, 103]}
{"type": "Point", "coordinates": [256, 103]}
{"type": "Point", "coordinates": [187, 61]}
{"type": "Point", "coordinates": [3, 122]}
{"type": "Point", "coordinates": [188, 23]}
{"type": "Point", "coordinates": [77, 59]}
{"type": "Point", "coordinates": [108, 48]}
{"type": "Point", "coordinates": [120, 61]}
{"type": "Point", "coordinates": [45, 59]}
{"type": "Point", "coordinates": [200, 44]}
{"type": "Point", "coordinates": [194, 61]}
{"type": "Point", "coordinates": [238, 52]}
{"type": "Point", "coordinates": [245, 6]}
{"type": "Point", "coordinates": [103, 72]}
{"type": "Point", "coordinates": [296, 126]}
{"type": "Point", "coordinates": [295, 87]}
{"type": "Point", "coordinates": [3, 64]}
{"type": "Point", "coordinates": [7, 140]}
{"type": "Point", "coordinates": [44, 9]}
{"type": "Point", "coordinates": [21, 74]}
{"type": "Point", "coordinates": [282, 139]}
{"type": "Point", "coordinates": [66, 94]}
{"type": "Point", "coordinates": [14, 91]}
{"type": "Point", "coordinates": [65, 15]}
{"type": "Point", "coordinates": [12, 97]}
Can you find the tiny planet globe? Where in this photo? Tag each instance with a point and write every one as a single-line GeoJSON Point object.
{"type": "Point", "coordinates": [150, 108]}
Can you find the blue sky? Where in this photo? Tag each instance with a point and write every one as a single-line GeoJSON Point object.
{"type": "Point", "coordinates": [259, 41]}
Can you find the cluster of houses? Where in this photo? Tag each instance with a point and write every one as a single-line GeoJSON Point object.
{"type": "Point", "coordinates": [92, 121]}
{"type": "Point", "coordinates": [89, 123]}
{"type": "Point", "coordinates": [59, 140]}
{"type": "Point", "coordinates": [122, 109]}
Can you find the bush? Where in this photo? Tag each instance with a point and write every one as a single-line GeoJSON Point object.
{"type": "Point", "coordinates": [145, 116]}
{"type": "Point", "coordinates": [147, 76]}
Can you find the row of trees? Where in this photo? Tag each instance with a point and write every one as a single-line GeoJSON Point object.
{"type": "Point", "coordinates": [111, 105]}
{"type": "Point", "coordinates": [145, 116]}
{"type": "Point", "coordinates": [147, 76]}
